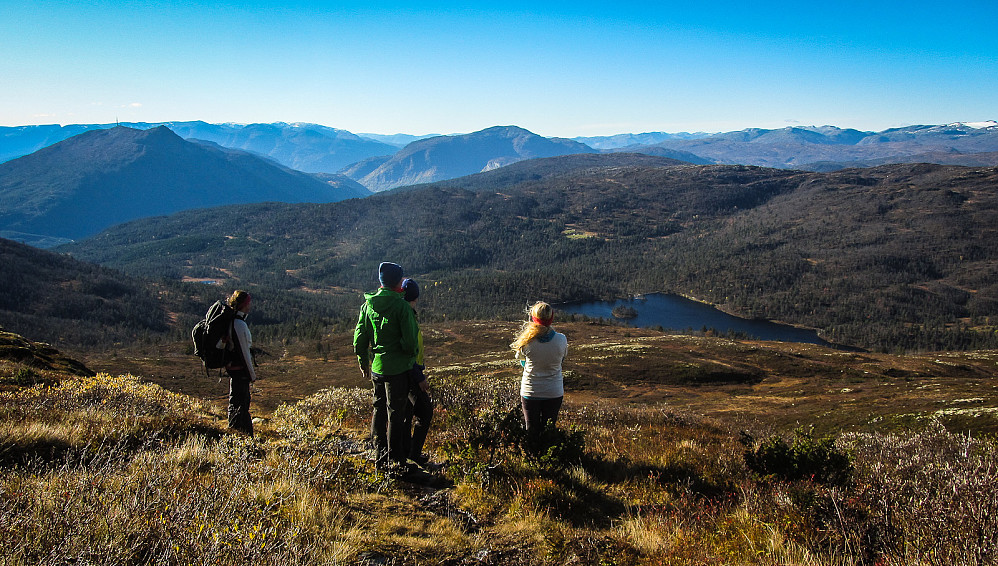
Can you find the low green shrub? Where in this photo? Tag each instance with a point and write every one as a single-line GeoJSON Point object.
{"type": "Point", "coordinates": [805, 458]}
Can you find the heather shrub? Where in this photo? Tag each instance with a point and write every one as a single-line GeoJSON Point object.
{"type": "Point", "coordinates": [324, 412]}
{"type": "Point", "coordinates": [22, 376]}
{"type": "Point", "coordinates": [932, 496]}
{"type": "Point", "coordinates": [805, 458]}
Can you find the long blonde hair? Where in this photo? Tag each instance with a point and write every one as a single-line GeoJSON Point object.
{"type": "Point", "coordinates": [540, 311]}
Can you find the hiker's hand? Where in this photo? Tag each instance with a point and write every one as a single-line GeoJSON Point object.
{"type": "Point", "coordinates": [425, 385]}
{"type": "Point", "coordinates": [366, 372]}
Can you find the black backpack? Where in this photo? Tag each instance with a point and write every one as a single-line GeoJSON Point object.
{"type": "Point", "coordinates": [214, 330]}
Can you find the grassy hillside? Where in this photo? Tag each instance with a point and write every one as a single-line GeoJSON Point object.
{"type": "Point", "coordinates": [112, 468]}
{"type": "Point", "coordinates": [893, 258]}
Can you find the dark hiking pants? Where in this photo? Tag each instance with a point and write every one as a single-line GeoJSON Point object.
{"type": "Point", "coordinates": [239, 401]}
{"type": "Point", "coordinates": [539, 413]}
{"type": "Point", "coordinates": [419, 413]}
{"type": "Point", "coordinates": [388, 431]}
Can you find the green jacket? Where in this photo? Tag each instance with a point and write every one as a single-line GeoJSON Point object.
{"type": "Point", "coordinates": [387, 328]}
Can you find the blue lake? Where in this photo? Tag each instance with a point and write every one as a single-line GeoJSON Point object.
{"type": "Point", "coordinates": [673, 312]}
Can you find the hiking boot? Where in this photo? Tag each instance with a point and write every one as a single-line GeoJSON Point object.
{"type": "Point", "coordinates": [397, 470]}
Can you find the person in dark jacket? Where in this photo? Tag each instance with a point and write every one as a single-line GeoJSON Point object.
{"type": "Point", "coordinates": [386, 341]}
{"type": "Point", "coordinates": [419, 411]}
{"type": "Point", "coordinates": [240, 366]}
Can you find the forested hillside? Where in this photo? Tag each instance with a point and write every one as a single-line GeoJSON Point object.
{"type": "Point", "coordinates": [56, 298]}
{"type": "Point", "coordinates": [893, 258]}
{"type": "Point", "coordinates": [86, 307]}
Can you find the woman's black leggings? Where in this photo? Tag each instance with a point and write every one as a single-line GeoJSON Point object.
{"type": "Point", "coordinates": [538, 413]}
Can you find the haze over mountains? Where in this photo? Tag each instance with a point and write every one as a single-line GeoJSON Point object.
{"type": "Point", "coordinates": [84, 184]}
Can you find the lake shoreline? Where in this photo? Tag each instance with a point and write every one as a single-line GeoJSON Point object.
{"type": "Point", "coordinates": [675, 311]}
{"type": "Point", "coordinates": [731, 312]}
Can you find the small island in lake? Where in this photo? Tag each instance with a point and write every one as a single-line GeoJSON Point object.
{"type": "Point", "coordinates": [623, 311]}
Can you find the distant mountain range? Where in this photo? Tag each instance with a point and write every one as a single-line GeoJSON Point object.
{"type": "Point", "coordinates": [382, 162]}
{"type": "Point", "coordinates": [306, 147]}
{"type": "Point", "coordinates": [802, 147]}
{"type": "Point", "coordinates": [630, 140]}
{"type": "Point", "coordinates": [81, 185]}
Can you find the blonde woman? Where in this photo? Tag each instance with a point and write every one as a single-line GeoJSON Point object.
{"type": "Point", "coordinates": [541, 352]}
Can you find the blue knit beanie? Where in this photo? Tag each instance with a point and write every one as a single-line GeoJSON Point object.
{"type": "Point", "coordinates": [411, 289]}
{"type": "Point", "coordinates": [390, 274]}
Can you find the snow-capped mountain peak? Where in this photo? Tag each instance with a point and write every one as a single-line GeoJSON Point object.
{"type": "Point", "coordinates": [976, 125]}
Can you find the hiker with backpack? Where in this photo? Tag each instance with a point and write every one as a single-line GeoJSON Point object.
{"type": "Point", "coordinates": [541, 351]}
{"type": "Point", "coordinates": [386, 342]}
{"type": "Point", "coordinates": [419, 409]}
{"type": "Point", "coordinates": [222, 340]}
{"type": "Point", "coordinates": [240, 365]}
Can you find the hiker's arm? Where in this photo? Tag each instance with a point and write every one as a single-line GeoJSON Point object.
{"type": "Point", "coordinates": [419, 377]}
{"type": "Point", "coordinates": [245, 343]}
{"type": "Point", "coordinates": [410, 334]}
{"type": "Point", "coordinates": [362, 343]}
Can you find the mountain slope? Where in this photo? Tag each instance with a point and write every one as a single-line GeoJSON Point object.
{"type": "Point", "coordinates": [447, 157]}
{"type": "Point", "coordinates": [545, 168]}
{"type": "Point", "coordinates": [657, 151]}
{"type": "Point", "coordinates": [304, 147]}
{"type": "Point", "coordinates": [81, 185]}
{"type": "Point", "coordinates": [55, 298]}
{"type": "Point", "coordinates": [895, 257]}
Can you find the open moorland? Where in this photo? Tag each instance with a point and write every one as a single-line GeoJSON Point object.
{"type": "Point", "coordinates": [747, 384]}
{"type": "Point", "coordinates": [671, 449]}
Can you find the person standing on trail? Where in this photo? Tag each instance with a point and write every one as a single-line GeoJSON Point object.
{"type": "Point", "coordinates": [240, 366]}
{"type": "Point", "coordinates": [541, 352]}
{"type": "Point", "coordinates": [386, 341]}
{"type": "Point", "coordinates": [419, 409]}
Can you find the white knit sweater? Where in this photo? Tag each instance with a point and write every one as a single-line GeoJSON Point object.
{"type": "Point", "coordinates": [542, 357]}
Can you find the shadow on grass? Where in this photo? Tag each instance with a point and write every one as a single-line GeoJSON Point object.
{"type": "Point", "coordinates": [49, 451]}
{"type": "Point", "coordinates": [678, 478]}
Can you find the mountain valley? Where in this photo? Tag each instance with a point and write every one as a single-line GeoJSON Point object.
{"type": "Point", "coordinates": [894, 258]}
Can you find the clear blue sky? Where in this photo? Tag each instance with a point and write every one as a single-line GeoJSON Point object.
{"type": "Point", "coordinates": [556, 68]}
